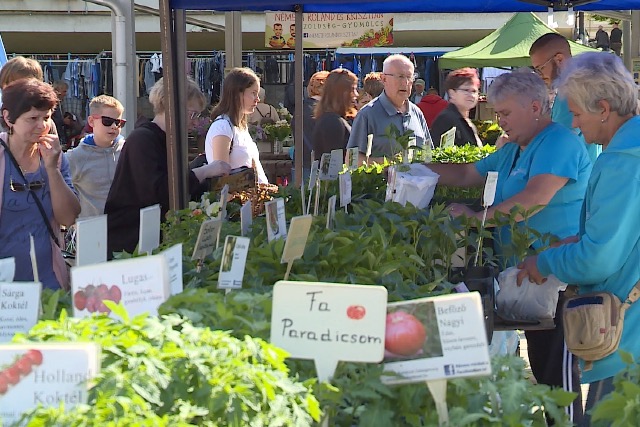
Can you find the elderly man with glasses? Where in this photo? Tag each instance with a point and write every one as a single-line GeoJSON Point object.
{"type": "Point", "coordinates": [549, 55]}
{"type": "Point", "coordinates": [392, 107]}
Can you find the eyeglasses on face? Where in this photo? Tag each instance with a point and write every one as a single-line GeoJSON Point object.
{"type": "Point", "coordinates": [109, 121]}
{"type": "Point", "coordinates": [539, 68]}
{"type": "Point", "coordinates": [400, 77]}
{"type": "Point", "coordinates": [17, 187]}
{"type": "Point", "coordinates": [468, 91]}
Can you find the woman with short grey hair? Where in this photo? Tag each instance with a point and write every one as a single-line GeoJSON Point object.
{"type": "Point", "coordinates": [543, 168]}
{"type": "Point", "coordinates": [604, 255]}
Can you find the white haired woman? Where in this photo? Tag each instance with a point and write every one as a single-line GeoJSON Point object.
{"type": "Point", "coordinates": [605, 254]}
{"type": "Point", "coordinates": [544, 166]}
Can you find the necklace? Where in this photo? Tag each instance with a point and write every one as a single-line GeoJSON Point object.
{"type": "Point", "coordinates": [29, 167]}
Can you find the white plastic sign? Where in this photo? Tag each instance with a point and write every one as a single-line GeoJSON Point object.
{"type": "Point", "coordinates": [344, 182]}
{"type": "Point", "coordinates": [174, 265]}
{"type": "Point", "coordinates": [351, 158]}
{"type": "Point", "coordinates": [314, 174]}
{"type": "Point", "coordinates": [331, 211]}
{"type": "Point", "coordinates": [7, 269]}
{"type": "Point", "coordinates": [448, 138]}
{"type": "Point", "coordinates": [436, 338]}
{"type": "Point", "coordinates": [91, 243]}
{"type": "Point", "coordinates": [45, 374]}
{"type": "Point", "coordinates": [246, 218]}
{"type": "Point", "coordinates": [234, 258]}
{"type": "Point", "coordinates": [325, 162]}
{"type": "Point", "coordinates": [140, 284]}
{"type": "Point", "coordinates": [329, 322]}
{"type": "Point", "coordinates": [336, 162]}
{"type": "Point", "coordinates": [276, 220]}
{"type": "Point", "coordinates": [296, 238]}
{"type": "Point", "coordinates": [19, 308]}
{"type": "Point", "coordinates": [489, 195]}
{"type": "Point", "coordinates": [224, 196]}
{"type": "Point", "coordinates": [369, 145]}
{"type": "Point", "coordinates": [149, 238]}
{"type": "Point", "coordinates": [207, 239]}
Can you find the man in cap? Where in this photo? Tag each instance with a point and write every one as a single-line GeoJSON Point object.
{"type": "Point", "coordinates": [418, 91]}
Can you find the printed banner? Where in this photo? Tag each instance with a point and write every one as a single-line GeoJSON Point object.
{"type": "Point", "coordinates": [324, 30]}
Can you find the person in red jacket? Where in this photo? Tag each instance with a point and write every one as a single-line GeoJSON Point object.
{"type": "Point", "coordinates": [431, 104]}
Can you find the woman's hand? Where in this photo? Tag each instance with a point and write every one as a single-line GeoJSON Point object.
{"type": "Point", "coordinates": [49, 146]}
{"type": "Point", "coordinates": [457, 209]}
{"type": "Point", "coordinates": [529, 269]}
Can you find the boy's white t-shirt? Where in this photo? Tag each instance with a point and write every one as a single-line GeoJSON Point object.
{"type": "Point", "coordinates": [244, 149]}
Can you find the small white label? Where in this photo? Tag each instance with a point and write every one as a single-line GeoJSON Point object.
{"type": "Point", "coordinates": [234, 258]}
{"type": "Point", "coordinates": [91, 240]}
{"type": "Point", "coordinates": [174, 264]}
{"type": "Point", "coordinates": [325, 161]}
{"type": "Point", "coordinates": [448, 138]}
{"type": "Point", "coordinates": [331, 211]}
{"type": "Point", "coordinates": [345, 189]}
{"type": "Point", "coordinates": [207, 238]}
{"type": "Point", "coordinates": [314, 174]}
{"type": "Point", "coordinates": [276, 220]}
{"type": "Point", "coordinates": [149, 237]}
{"type": "Point", "coordinates": [351, 158]}
{"type": "Point", "coordinates": [246, 218]}
{"type": "Point", "coordinates": [296, 238]}
{"type": "Point", "coordinates": [7, 269]}
{"type": "Point", "coordinates": [369, 145]}
{"type": "Point", "coordinates": [19, 308]}
{"type": "Point", "coordinates": [490, 189]}
{"type": "Point", "coordinates": [224, 195]}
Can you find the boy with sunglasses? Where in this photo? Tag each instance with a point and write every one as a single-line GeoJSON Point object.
{"type": "Point", "coordinates": [93, 162]}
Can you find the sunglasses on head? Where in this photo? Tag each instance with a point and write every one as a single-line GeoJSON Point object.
{"type": "Point", "coordinates": [108, 121]}
{"type": "Point", "coordinates": [17, 187]}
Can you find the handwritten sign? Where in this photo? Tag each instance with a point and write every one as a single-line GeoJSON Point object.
{"type": "Point", "coordinates": [448, 138]}
{"type": "Point", "coordinates": [234, 258]}
{"type": "Point", "coordinates": [173, 256]}
{"type": "Point", "coordinates": [19, 308]}
{"type": "Point", "coordinates": [7, 269]}
{"type": "Point", "coordinates": [329, 322]}
{"type": "Point", "coordinates": [207, 239]}
{"type": "Point", "coordinates": [276, 220]}
{"type": "Point", "coordinates": [149, 238]}
{"type": "Point", "coordinates": [45, 374]}
{"type": "Point", "coordinates": [296, 238]}
{"type": "Point", "coordinates": [344, 183]}
{"type": "Point", "coordinates": [447, 339]}
{"type": "Point", "coordinates": [140, 284]}
{"type": "Point", "coordinates": [246, 218]}
{"type": "Point", "coordinates": [91, 243]}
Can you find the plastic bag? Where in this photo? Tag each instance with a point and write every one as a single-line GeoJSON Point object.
{"type": "Point", "coordinates": [415, 185]}
{"type": "Point", "coordinates": [528, 301]}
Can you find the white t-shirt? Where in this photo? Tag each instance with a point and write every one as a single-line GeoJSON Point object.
{"type": "Point", "coordinates": [244, 149]}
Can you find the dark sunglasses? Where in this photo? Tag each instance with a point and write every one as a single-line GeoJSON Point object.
{"type": "Point", "coordinates": [108, 121]}
{"type": "Point", "coordinates": [17, 187]}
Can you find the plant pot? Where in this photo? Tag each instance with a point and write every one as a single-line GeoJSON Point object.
{"type": "Point", "coordinates": [481, 280]}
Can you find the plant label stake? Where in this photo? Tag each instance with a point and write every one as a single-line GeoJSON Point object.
{"type": "Point", "coordinates": [331, 212]}
{"type": "Point", "coordinates": [174, 264]}
{"type": "Point", "coordinates": [488, 198]}
{"type": "Point", "coordinates": [20, 307]}
{"type": "Point", "coordinates": [207, 240]}
{"type": "Point", "coordinates": [302, 201]}
{"type": "Point", "coordinates": [336, 162]}
{"type": "Point", "coordinates": [34, 261]}
{"type": "Point", "coordinates": [234, 259]}
{"type": "Point", "coordinates": [296, 241]}
{"type": "Point", "coordinates": [448, 138]}
{"type": "Point", "coordinates": [246, 218]}
{"type": "Point", "coordinates": [91, 235]}
{"type": "Point", "coordinates": [438, 389]}
{"type": "Point", "coordinates": [369, 145]}
{"type": "Point", "coordinates": [313, 181]}
{"type": "Point", "coordinates": [224, 195]}
{"type": "Point", "coordinates": [149, 237]}
{"type": "Point", "coordinates": [345, 190]}
{"type": "Point", "coordinates": [329, 322]}
{"type": "Point", "coordinates": [351, 158]}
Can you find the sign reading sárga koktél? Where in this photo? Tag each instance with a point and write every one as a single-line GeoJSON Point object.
{"type": "Point", "coordinates": [329, 30]}
{"type": "Point", "coordinates": [329, 322]}
{"type": "Point", "coordinates": [19, 308]}
{"type": "Point", "coordinates": [45, 374]}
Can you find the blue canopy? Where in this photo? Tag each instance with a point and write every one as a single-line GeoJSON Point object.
{"type": "Point", "coordinates": [416, 6]}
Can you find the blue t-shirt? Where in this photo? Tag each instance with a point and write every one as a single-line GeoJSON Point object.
{"type": "Point", "coordinates": [20, 217]}
{"type": "Point", "coordinates": [560, 113]}
{"type": "Point", "coordinates": [556, 151]}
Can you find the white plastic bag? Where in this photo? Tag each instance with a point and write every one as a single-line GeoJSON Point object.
{"type": "Point", "coordinates": [415, 186]}
{"type": "Point", "coordinates": [528, 301]}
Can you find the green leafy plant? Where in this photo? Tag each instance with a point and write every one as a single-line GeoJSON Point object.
{"type": "Point", "coordinates": [622, 406]}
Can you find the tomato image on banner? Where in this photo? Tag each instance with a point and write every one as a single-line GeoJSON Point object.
{"type": "Point", "coordinates": [21, 367]}
{"type": "Point", "coordinates": [412, 333]}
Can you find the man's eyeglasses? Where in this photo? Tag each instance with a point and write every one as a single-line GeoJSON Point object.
{"type": "Point", "coordinates": [539, 68]}
{"type": "Point", "coordinates": [109, 121]}
{"type": "Point", "coordinates": [468, 91]}
{"type": "Point", "coordinates": [400, 77]}
{"type": "Point", "coordinates": [17, 187]}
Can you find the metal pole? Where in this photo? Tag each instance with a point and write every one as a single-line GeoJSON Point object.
{"type": "Point", "coordinates": [299, 97]}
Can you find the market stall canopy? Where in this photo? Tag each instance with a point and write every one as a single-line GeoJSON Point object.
{"type": "Point", "coordinates": [417, 6]}
{"type": "Point", "coordinates": [507, 46]}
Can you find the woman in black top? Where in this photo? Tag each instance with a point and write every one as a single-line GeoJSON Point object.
{"type": "Point", "coordinates": [462, 87]}
{"type": "Point", "coordinates": [337, 105]}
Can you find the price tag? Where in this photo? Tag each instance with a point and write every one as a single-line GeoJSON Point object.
{"type": "Point", "coordinates": [140, 284]}
{"type": "Point", "coordinates": [329, 322]}
{"type": "Point", "coordinates": [490, 185]}
{"type": "Point", "coordinates": [19, 308]}
{"type": "Point", "coordinates": [91, 243]}
{"type": "Point", "coordinates": [246, 218]}
{"type": "Point", "coordinates": [345, 189]}
{"type": "Point", "coordinates": [149, 238]}
{"type": "Point", "coordinates": [207, 238]}
{"type": "Point", "coordinates": [234, 258]}
{"type": "Point", "coordinates": [276, 220]}
{"type": "Point", "coordinates": [45, 374]}
{"type": "Point", "coordinates": [448, 339]}
{"type": "Point", "coordinates": [331, 211]}
{"type": "Point", "coordinates": [296, 238]}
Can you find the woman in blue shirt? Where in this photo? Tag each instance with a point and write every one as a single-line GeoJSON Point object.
{"type": "Point", "coordinates": [544, 165]}
{"type": "Point", "coordinates": [605, 253]}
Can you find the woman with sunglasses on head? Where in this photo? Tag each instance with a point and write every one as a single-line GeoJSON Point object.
{"type": "Point", "coordinates": [228, 138]}
{"type": "Point", "coordinates": [336, 106]}
{"type": "Point", "coordinates": [142, 177]}
{"type": "Point", "coordinates": [462, 87]}
{"type": "Point", "coordinates": [36, 194]}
